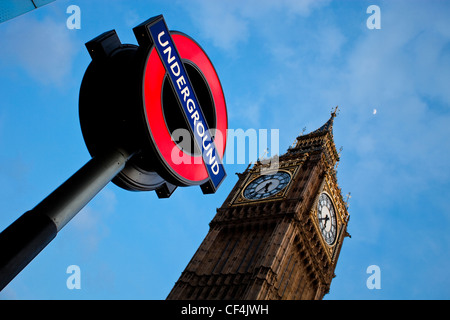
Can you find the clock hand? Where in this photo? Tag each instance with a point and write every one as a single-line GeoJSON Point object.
{"type": "Point", "coordinates": [257, 191]}
{"type": "Point", "coordinates": [267, 186]}
{"type": "Point", "coordinates": [263, 187]}
{"type": "Point", "coordinates": [326, 219]}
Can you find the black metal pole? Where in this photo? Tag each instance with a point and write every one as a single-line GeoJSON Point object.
{"type": "Point", "coordinates": [35, 229]}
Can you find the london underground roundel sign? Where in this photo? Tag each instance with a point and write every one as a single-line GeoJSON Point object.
{"type": "Point", "coordinates": [163, 102]}
{"type": "Point", "coordinates": [166, 61]}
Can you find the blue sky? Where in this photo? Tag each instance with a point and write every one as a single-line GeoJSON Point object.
{"type": "Point", "coordinates": [283, 65]}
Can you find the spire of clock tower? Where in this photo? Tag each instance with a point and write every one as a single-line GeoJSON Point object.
{"type": "Point", "coordinates": [328, 126]}
{"type": "Point", "coordinates": [319, 139]}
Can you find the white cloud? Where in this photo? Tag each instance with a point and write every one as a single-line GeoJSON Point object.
{"type": "Point", "coordinates": [230, 23]}
{"type": "Point", "coordinates": [304, 7]}
{"type": "Point", "coordinates": [219, 22]}
{"type": "Point", "coordinates": [90, 223]}
{"type": "Point", "coordinates": [247, 112]}
{"type": "Point", "coordinates": [330, 41]}
{"type": "Point", "coordinates": [132, 18]}
{"type": "Point", "coordinates": [44, 49]}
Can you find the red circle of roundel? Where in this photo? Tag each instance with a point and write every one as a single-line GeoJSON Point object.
{"type": "Point", "coordinates": [194, 171]}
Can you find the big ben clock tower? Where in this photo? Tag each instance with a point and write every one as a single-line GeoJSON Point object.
{"type": "Point", "coordinates": [278, 234]}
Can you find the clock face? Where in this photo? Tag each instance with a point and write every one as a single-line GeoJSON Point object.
{"type": "Point", "coordinates": [327, 218]}
{"type": "Point", "coordinates": [267, 185]}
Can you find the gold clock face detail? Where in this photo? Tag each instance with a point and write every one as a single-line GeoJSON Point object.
{"type": "Point", "coordinates": [267, 185]}
{"type": "Point", "coordinates": [327, 218]}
